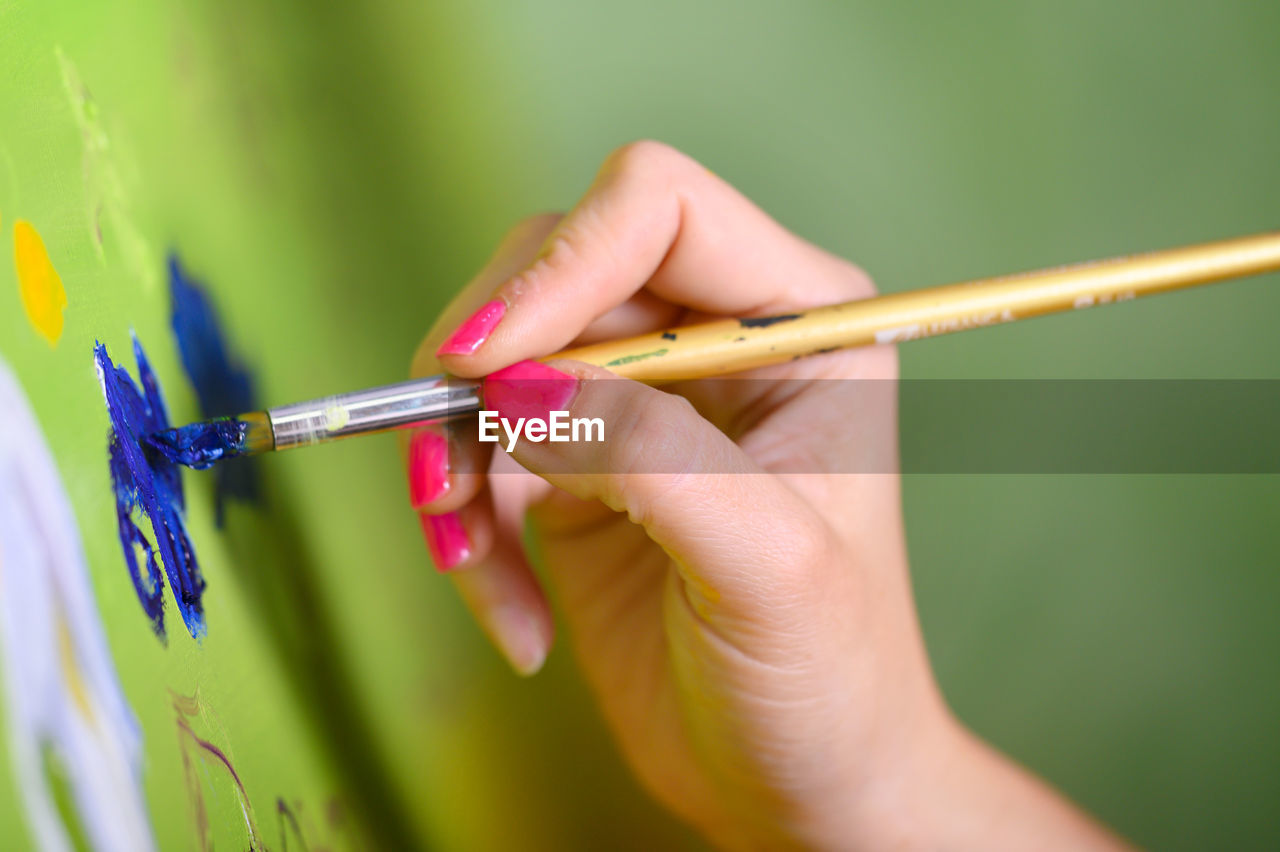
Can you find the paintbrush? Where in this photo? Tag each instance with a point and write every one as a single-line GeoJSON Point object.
{"type": "Point", "coordinates": [733, 345]}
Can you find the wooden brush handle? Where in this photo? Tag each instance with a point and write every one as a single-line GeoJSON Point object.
{"type": "Point", "coordinates": [733, 345]}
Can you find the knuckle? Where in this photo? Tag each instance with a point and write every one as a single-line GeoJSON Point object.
{"type": "Point", "coordinates": [532, 227]}
{"type": "Point", "coordinates": [580, 244]}
{"type": "Point", "coordinates": [643, 156]}
{"type": "Point", "coordinates": [522, 237]}
{"type": "Point", "coordinates": [634, 435]}
{"type": "Point", "coordinates": [652, 436]}
{"type": "Point", "coordinates": [650, 454]}
{"type": "Point", "coordinates": [562, 249]}
{"type": "Point", "coordinates": [560, 253]}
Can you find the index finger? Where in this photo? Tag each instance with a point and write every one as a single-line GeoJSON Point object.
{"type": "Point", "coordinates": [653, 218]}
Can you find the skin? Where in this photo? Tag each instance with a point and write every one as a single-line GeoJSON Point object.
{"type": "Point", "coordinates": [749, 634]}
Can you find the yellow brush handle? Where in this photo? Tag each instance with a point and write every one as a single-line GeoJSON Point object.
{"type": "Point", "coordinates": [729, 346]}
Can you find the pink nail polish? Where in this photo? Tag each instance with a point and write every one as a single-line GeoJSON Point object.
{"type": "Point", "coordinates": [529, 389]}
{"type": "Point", "coordinates": [446, 539]}
{"type": "Point", "coordinates": [475, 330]}
{"type": "Point", "coordinates": [428, 467]}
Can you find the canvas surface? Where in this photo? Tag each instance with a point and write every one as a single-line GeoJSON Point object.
{"type": "Point", "coordinates": [327, 177]}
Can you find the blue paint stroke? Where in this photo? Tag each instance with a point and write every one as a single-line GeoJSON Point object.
{"type": "Point", "coordinates": [223, 386]}
{"type": "Point", "coordinates": [199, 445]}
{"type": "Point", "coordinates": [145, 480]}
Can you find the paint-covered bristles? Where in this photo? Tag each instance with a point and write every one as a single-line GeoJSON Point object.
{"type": "Point", "coordinates": [200, 445]}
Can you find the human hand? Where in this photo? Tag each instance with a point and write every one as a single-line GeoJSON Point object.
{"type": "Point", "coordinates": [737, 599]}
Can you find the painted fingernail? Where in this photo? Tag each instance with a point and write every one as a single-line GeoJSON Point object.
{"type": "Point", "coordinates": [475, 330]}
{"type": "Point", "coordinates": [446, 539]}
{"type": "Point", "coordinates": [529, 389]}
{"type": "Point", "coordinates": [428, 467]}
{"type": "Point", "coordinates": [517, 635]}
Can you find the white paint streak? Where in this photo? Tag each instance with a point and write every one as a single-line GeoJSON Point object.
{"type": "Point", "coordinates": [60, 681]}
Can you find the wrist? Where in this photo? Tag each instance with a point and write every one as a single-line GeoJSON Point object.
{"type": "Point", "coordinates": [957, 792]}
{"type": "Point", "coordinates": [892, 809]}
{"type": "Point", "coordinates": [877, 795]}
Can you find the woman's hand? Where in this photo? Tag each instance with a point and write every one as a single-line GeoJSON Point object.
{"type": "Point", "coordinates": [737, 599]}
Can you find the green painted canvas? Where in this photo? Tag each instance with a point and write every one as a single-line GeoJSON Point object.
{"type": "Point", "coordinates": [250, 203]}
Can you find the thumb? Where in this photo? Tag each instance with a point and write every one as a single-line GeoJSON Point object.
{"type": "Point", "coordinates": [744, 543]}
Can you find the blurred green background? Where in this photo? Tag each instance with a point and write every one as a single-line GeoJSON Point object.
{"type": "Point", "coordinates": [335, 172]}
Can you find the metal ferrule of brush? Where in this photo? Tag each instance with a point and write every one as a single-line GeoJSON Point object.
{"type": "Point", "coordinates": [373, 410]}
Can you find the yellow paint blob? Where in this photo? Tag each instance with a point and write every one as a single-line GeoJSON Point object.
{"type": "Point", "coordinates": [38, 282]}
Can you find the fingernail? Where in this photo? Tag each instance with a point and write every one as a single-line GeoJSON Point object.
{"type": "Point", "coordinates": [529, 389]}
{"type": "Point", "coordinates": [428, 467]}
{"type": "Point", "coordinates": [475, 330]}
{"type": "Point", "coordinates": [517, 635]}
{"type": "Point", "coordinates": [446, 539]}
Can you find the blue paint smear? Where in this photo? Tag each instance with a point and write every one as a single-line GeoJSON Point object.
{"type": "Point", "coordinates": [224, 388]}
{"type": "Point", "coordinates": [145, 480]}
{"type": "Point", "coordinates": [199, 445]}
